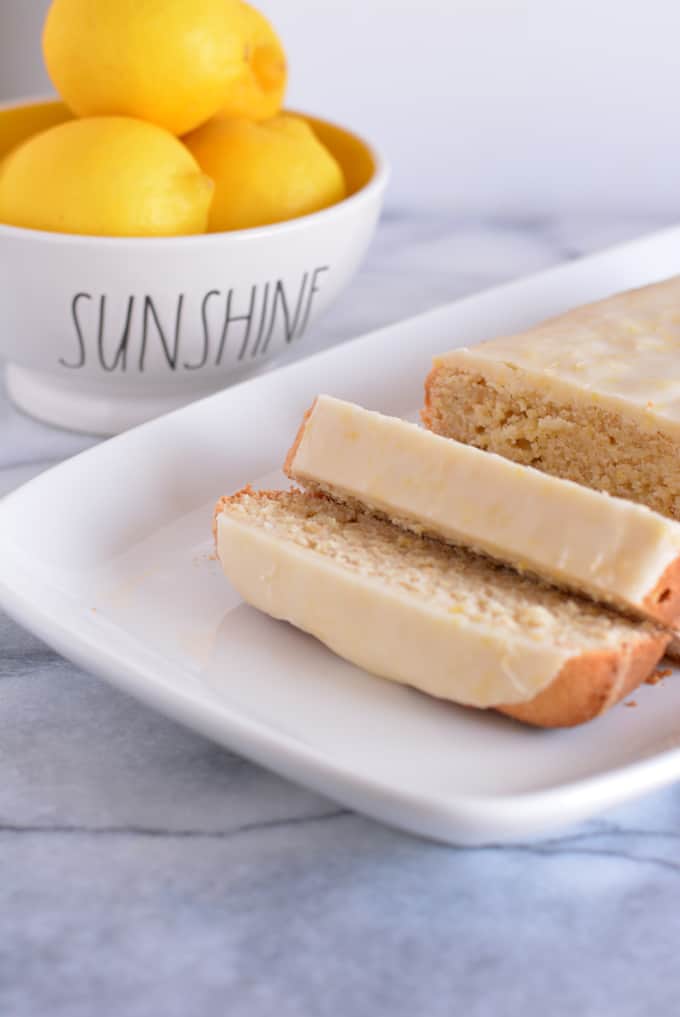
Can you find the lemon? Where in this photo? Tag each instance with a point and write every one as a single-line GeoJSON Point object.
{"type": "Point", "coordinates": [258, 91]}
{"type": "Point", "coordinates": [264, 172]}
{"type": "Point", "coordinates": [167, 61]}
{"type": "Point", "coordinates": [105, 176]}
{"type": "Point", "coordinates": [17, 123]}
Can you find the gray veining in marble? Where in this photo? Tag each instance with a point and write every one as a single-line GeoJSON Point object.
{"type": "Point", "coordinates": [145, 871]}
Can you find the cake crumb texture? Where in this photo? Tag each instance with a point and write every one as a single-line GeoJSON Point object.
{"type": "Point", "coordinates": [589, 444]}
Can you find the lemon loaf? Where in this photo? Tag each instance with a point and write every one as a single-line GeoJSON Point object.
{"type": "Point", "coordinates": [406, 607]}
{"type": "Point", "coordinates": [592, 395]}
{"type": "Point", "coordinates": [609, 548]}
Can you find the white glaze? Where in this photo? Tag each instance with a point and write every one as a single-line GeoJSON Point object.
{"type": "Point", "coordinates": [612, 548]}
{"type": "Point", "coordinates": [383, 630]}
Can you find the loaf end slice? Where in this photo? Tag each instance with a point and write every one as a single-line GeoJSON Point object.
{"type": "Point", "coordinates": [592, 395]}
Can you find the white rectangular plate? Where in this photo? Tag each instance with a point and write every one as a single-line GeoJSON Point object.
{"type": "Point", "coordinates": [108, 559]}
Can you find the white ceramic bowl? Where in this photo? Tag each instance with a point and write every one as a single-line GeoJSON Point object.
{"type": "Point", "coordinates": [102, 333]}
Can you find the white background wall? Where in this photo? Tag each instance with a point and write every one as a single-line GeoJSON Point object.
{"type": "Point", "coordinates": [481, 104]}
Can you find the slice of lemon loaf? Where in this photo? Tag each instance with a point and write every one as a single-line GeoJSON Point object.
{"type": "Point", "coordinates": [415, 610]}
{"type": "Point", "coordinates": [592, 395]}
{"type": "Point", "coordinates": [612, 549]}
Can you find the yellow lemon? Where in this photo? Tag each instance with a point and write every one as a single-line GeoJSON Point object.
{"type": "Point", "coordinates": [105, 176]}
{"type": "Point", "coordinates": [353, 154]}
{"type": "Point", "coordinates": [17, 123]}
{"type": "Point", "coordinates": [265, 172]}
{"type": "Point", "coordinates": [167, 61]}
{"type": "Point", "coordinates": [259, 89]}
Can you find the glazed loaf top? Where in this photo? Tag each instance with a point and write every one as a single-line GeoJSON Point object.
{"type": "Point", "coordinates": [622, 352]}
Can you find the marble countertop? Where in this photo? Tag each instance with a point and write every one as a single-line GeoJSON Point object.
{"type": "Point", "coordinates": [145, 871]}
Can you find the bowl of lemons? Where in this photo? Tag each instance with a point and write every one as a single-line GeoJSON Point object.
{"type": "Point", "coordinates": [166, 227]}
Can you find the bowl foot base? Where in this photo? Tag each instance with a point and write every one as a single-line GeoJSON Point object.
{"type": "Point", "coordinates": [91, 410]}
